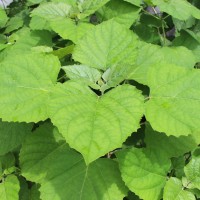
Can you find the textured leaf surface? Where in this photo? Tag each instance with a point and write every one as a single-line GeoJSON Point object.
{"type": "Point", "coordinates": [172, 146]}
{"type": "Point", "coordinates": [154, 54]}
{"type": "Point", "coordinates": [9, 188]}
{"type": "Point", "coordinates": [62, 173]}
{"type": "Point", "coordinates": [83, 73]}
{"type": "Point", "coordinates": [174, 104]}
{"type": "Point", "coordinates": [180, 9]}
{"type": "Point", "coordinates": [95, 125]}
{"type": "Point", "coordinates": [90, 6]}
{"type": "Point", "coordinates": [12, 135]}
{"type": "Point", "coordinates": [144, 172]}
{"type": "Point", "coordinates": [192, 172]}
{"type": "Point", "coordinates": [122, 12]}
{"type": "Point", "coordinates": [52, 10]}
{"type": "Point", "coordinates": [174, 191]}
{"type": "Point", "coordinates": [25, 82]}
{"type": "Point", "coordinates": [100, 47]}
{"type": "Point", "coordinates": [69, 29]}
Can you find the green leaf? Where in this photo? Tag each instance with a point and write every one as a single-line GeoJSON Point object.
{"type": "Point", "coordinates": [62, 173]}
{"type": "Point", "coordinates": [25, 86]}
{"type": "Point", "coordinates": [174, 102]}
{"type": "Point", "coordinates": [192, 172]}
{"type": "Point", "coordinates": [135, 2]}
{"type": "Point", "coordinates": [9, 188]}
{"type": "Point", "coordinates": [83, 73]}
{"type": "Point", "coordinates": [154, 54]}
{"type": "Point", "coordinates": [35, 193]}
{"type": "Point", "coordinates": [122, 12]}
{"type": "Point", "coordinates": [39, 23]}
{"type": "Point", "coordinates": [172, 146]}
{"type": "Point", "coordinates": [178, 165]}
{"type": "Point", "coordinates": [3, 18]}
{"type": "Point", "coordinates": [62, 52]}
{"type": "Point", "coordinates": [95, 125]}
{"type": "Point", "coordinates": [52, 10]}
{"type": "Point", "coordinates": [69, 29]}
{"type": "Point", "coordinates": [180, 9]}
{"type": "Point", "coordinates": [174, 191]}
{"type": "Point", "coordinates": [144, 172]}
{"type": "Point", "coordinates": [12, 135]}
{"type": "Point", "coordinates": [88, 7]}
{"type": "Point", "coordinates": [7, 162]}
{"type": "Point", "coordinates": [105, 45]}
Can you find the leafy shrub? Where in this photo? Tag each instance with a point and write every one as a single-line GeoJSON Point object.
{"type": "Point", "coordinates": [100, 100]}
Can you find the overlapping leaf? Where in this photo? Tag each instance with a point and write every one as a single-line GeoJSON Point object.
{"type": "Point", "coordinates": [107, 44]}
{"type": "Point", "coordinates": [95, 125]}
{"type": "Point", "coordinates": [180, 9]}
{"type": "Point", "coordinates": [12, 135]}
{"type": "Point", "coordinates": [174, 103]}
{"type": "Point", "coordinates": [9, 188]}
{"type": "Point", "coordinates": [25, 82]}
{"type": "Point", "coordinates": [174, 191]}
{"type": "Point", "coordinates": [62, 173]}
{"type": "Point", "coordinates": [3, 18]}
{"type": "Point", "coordinates": [144, 172]}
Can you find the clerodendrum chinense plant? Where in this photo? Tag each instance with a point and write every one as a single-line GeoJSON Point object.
{"type": "Point", "coordinates": [100, 100]}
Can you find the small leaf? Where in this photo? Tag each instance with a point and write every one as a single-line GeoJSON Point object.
{"type": "Point", "coordinates": [83, 73]}
{"type": "Point", "coordinates": [192, 172]}
{"type": "Point", "coordinates": [144, 172]}
{"type": "Point", "coordinates": [174, 191]}
{"type": "Point", "coordinates": [95, 125]}
{"type": "Point", "coordinates": [105, 45]}
{"type": "Point", "coordinates": [3, 18]}
{"type": "Point", "coordinates": [9, 188]}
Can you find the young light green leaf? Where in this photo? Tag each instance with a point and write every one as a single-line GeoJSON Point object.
{"type": "Point", "coordinates": [154, 54]}
{"type": "Point", "coordinates": [180, 9]}
{"type": "Point", "coordinates": [52, 10]}
{"type": "Point", "coordinates": [192, 172]}
{"type": "Point", "coordinates": [174, 191]}
{"type": "Point", "coordinates": [105, 45]}
{"type": "Point", "coordinates": [62, 172]}
{"type": "Point", "coordinates": [69, 29]}
{"type": "Point", "coordinates": [174, 104]}
{"type": "Point", "coordinates": [88, 7]}
{"type": "Point", "coordinates": [122, 12]}
{"type": "Point", "coordinates": [25, 82]}
{"type": "Point", "coordinates": [12, 135]}
{"type": "Point", "coordinates": [9, 188]}
{"type": "Point", "coordinates": [172, 146]}
{"type": "Point", "coordinates": [62, 52]}
{"type": "Point", "coordinates": [95, 125]}
{"type": "Point", "coordinates": [83, 73]}
{"type": "Point", "coordinates": [144, 172]}
{"type": "Point", "coordinates": [3, 18]}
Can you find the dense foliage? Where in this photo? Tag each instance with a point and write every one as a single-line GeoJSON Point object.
{"type": "Point", "coordinates": [100, 100]}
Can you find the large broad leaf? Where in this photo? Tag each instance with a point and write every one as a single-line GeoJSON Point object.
{"type": "Point", "coordinates": [95, 125]}
{"type": "Point", "coordinates": [174, 191]}
{"type": "Point", "coordinates": [154, 54]}
{"type": "Point", "coordinates": [174, 102]}
{"type": "Point", "coordinates": [122, 12]}
{"type": "Point", "coordinates": [69, 29]}
{"type": "Point", "coordinates": [135, 2]}
{"type": "Point", "coordinates": [192, 172]}
{"type": "Point", "coordinates": [172, 146]}
{"type": "Point", "coordinates": [9, 188]}
{"type": "Point", "coordinates": [12, 135]}
{"type": "Point", "coordinates": [144, 172]}
{"type": "Point", "coordinates": [83, 73]}
{"type": "Point", "coordinates": [62, 173]}
{"type": "Point", "coordinates": [180, 9]}
{"type": "Point", "coordinates": [52, 10]}
{"type": "Point", "coordinates": [105, 45]}
{"type": "Point", "coordinates": [25, 82]}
